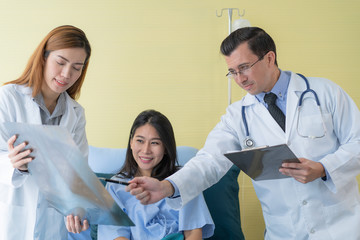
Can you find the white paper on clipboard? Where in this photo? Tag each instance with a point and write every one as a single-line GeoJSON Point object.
{"type": "Point", "coordinates": [263, 163]}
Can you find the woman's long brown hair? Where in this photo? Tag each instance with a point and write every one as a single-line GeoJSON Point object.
{"type": "Point", "coordinates": [59, 38]}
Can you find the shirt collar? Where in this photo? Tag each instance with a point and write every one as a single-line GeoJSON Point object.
{"type": "Point", "coordinates": [60, 105]}
{"type": "Point", "coordinates": [280, 88]}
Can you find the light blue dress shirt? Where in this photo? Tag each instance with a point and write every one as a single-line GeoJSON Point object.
{"type": "Point", "coordinates": [280, 89]}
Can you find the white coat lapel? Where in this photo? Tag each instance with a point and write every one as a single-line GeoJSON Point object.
{"type": "Point", "coordinates": [33, 112]}
{"type": "Point", "coordinates": [249, 100]}
{"type": "Point", "coordinates": [259, 119]}
{"type": "Point", "coordinates": [68, 120]}
{"type": "Point", "coordinates": [31, 109]}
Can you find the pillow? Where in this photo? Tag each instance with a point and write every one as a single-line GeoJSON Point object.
{"type": "Point", "coordinates": [223, 202]}
{"type": "Point", "coordinates": [106, 160]}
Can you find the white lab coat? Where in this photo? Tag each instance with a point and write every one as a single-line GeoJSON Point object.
{"type": "Point", "coordinates": [292, 210]}
{"type": "Point", "coordinates": [24, 213]}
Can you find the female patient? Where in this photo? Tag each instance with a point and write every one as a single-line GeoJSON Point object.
{"type": "Point", "coordinates": [151, 152]}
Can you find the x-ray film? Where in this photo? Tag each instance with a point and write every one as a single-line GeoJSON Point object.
{"type": "Point", "coordinates": [63, 175]}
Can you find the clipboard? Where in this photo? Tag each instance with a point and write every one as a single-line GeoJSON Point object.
{"type": "Point", "coordinates": [263, 163]}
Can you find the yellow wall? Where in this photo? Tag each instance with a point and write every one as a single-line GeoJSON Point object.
{"type": "Point", "coordinates": [165, 55]}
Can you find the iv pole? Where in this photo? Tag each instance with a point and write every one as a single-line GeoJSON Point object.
{"type": "Point", "coordinates": [230, 12]}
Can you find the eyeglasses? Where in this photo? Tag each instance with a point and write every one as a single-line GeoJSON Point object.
{"type": "Point", "coordinates": [243, 69]}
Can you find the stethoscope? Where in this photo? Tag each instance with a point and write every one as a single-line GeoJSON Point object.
{"type": "Point", "coordinates": [249, 142]}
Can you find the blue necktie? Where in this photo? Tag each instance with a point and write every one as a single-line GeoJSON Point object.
{"type": "Point", "coordinates": [274, 110]}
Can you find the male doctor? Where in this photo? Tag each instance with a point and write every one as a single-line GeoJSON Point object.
{"type": "Point", "coordinates": [321, 198]}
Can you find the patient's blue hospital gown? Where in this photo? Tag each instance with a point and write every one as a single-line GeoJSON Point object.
{"type": "Point", "coordinates": [158, 220]}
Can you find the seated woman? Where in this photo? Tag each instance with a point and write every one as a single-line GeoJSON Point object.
{"type": "Point", "coordinates": [151, 152]}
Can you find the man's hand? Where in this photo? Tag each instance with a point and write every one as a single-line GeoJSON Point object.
{"type": "Point", "coordinates": [305, 171]}
{"type": "Point", "coordinates": [150, 190]}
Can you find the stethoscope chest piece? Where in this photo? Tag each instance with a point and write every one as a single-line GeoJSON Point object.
{"type": "Point", "coordinates": [249, 142]}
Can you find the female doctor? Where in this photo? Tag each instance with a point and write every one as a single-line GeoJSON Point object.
{"type": "Point", "coordinates": [44, 94]}
{"type": "Point", "coordinates": [321, 198]}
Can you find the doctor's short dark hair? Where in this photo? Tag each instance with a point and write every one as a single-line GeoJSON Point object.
{"type": "Point", "coordinates": [258, 40]}
{"type": "Point", "coordinates": [169, 164]}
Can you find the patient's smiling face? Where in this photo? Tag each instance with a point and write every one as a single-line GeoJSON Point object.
{"type": "Point", "coordinates": [147, 148]}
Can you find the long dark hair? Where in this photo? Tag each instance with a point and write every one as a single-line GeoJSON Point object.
{"type": "Point", "coordinates": [168, 165]}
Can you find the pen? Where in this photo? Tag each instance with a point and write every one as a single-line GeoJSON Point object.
{"type": "Point", "coordinates": [114, 181]}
